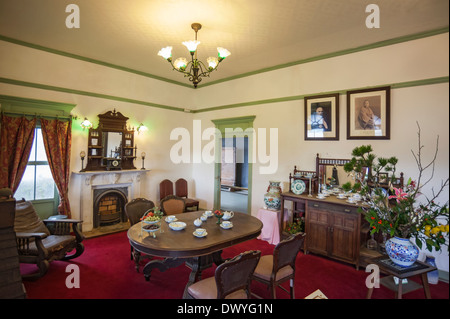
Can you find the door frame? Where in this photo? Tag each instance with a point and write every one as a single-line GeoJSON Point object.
{"type": "Point", "coordinates": [245, 123]}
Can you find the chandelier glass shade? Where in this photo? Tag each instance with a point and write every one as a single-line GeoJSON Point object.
{"type": "Point", "coordinates": [194, 69]}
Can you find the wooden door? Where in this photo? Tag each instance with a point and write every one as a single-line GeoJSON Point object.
{"type": "Point", "coordinates": [317, 226]}
{"type": "Point", "coordinates": [343, 231]}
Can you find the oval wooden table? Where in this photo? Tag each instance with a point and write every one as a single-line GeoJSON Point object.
{"type": "Point", "coordinates": [181, 246]}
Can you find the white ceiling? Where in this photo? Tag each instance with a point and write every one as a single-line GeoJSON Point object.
{"type": "Point", "coordinates": [258, 33]}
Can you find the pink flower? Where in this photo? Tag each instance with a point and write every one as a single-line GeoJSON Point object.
{"type": "Point", "coordinates": [399, 194]}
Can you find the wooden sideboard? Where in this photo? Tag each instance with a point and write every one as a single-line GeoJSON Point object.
{"type": "Point", "coordinates": [333, 227]}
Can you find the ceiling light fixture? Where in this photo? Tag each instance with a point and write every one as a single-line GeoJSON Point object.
{"type": "Point", "coordinates": [194, 69]}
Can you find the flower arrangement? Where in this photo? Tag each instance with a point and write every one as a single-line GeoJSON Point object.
{"type": "Point", "coordinates": [402, 211]}
{"type": "Point", "coordinates": [295, 227]}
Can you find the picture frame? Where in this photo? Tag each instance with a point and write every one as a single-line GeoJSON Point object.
{"type": "Point", "coordinates": [322, 117]}
{"type": "Point", "coordinates": [368, 113]}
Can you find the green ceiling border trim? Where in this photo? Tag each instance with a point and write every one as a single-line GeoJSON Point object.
{"type": "Point", "coordinates": [438, 80]}
{"type": "Point", "coordinates": [335, 54]}
{"type": "Point", "coordinates": [85, 59]}
{"type": "Point", "coordinates": [273, 68]}
{"type": "Point", "coordinates": [86, 93]}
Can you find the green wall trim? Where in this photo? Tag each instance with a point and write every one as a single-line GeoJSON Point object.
{"type": "Point", "coordinates": [335, 54]}
{"type": "Point", "coordinates": [438, 80]}
{"type": "Point", "coordinates": [379, 44]}
{"type": "Point", "coordinates": [422, 82]}
{"type": "Point", "coordinates": [86, 93]}
{"type": "Point", "coordinates": [85, 59]}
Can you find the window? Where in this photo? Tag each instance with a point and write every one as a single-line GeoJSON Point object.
{"type": "Point", "coordinates": [37, 181]}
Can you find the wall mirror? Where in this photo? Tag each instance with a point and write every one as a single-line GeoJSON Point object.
{"type": "Point", "coordinates": [111, 144]}
{"type": "Point", "coordinates": [330, 171]}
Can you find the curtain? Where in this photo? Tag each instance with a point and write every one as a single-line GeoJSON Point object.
{"type": "Point", "coordinates": [57, 136]}
{"type": "Point", "coordinates": [16, 140]}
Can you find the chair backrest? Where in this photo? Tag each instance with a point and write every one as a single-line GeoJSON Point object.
{"type": "Point", "coordinates": [136, 208]}
{"type": "Point", "coordinates": [172, 205]}
{"type": "Point", "coordinates": [286, 251]}
{"type": "Point", "coordinates": [181, 188]}
{"type": "Point", "coordinates": [27, 220]}
{"type": "Point", "coordinates": [165, 189]}
{"type": "Point", "coordinates": [236, 274]}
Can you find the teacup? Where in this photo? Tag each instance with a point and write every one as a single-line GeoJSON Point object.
{"type": "Point", "coordinates": [352, 200]}
{"type": "Point", "coordinates": [321, 196]}
{"type": "Point", "coordinates": [356, 196]}
{"type": "Point", "coordinates": [203, 217]}
{"type": "Point", "coordinates": [227, 215]}
{"type": "Point", "coordinates": [171, 218]}
{"type": "Point", "coordinates": [341, 195]}
{"type": "Point", "coordinates": [227, 224]}
{"type": "Point", "coordinates": [208, 213]}
{"type": "Point", "coordinates": [200, 231]}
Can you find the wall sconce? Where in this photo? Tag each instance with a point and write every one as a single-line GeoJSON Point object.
{"type": "Point", "coordinates": [86, 124]}
{"type": "Point", "coordinates": [143, 158]}
{"type": "Point", "coordinates": [141, 128]}
{"type": "Point", "coordinates": [82, 155]}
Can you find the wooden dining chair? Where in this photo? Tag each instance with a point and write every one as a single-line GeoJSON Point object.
{"type": "Point", "coordinates": [275, 269]}
{"type": "Point", "coordinates": [165, 189]}
{"type": "Point", "coordinates": [172, 205]}
{"type": "Point", "coordinates": [181, 190]}
{"type": "Point", "coordinates": [231, 279]}
{"type": "Point", "coordinates": [134, 210]}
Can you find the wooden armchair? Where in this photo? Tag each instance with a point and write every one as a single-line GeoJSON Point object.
{"type": "Point", "coordinates": [40, 242]}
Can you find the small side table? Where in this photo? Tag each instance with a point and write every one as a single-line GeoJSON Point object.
{"type": "Point", "coordinates": [388, 267]}
{"type": "Point", "coordinates": [271, 225]}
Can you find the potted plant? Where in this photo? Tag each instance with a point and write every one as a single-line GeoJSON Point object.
{"type": "Point", "coordinates": [403, 212]}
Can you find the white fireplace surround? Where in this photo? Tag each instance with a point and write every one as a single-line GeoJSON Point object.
{"type": "Point", "coordinates": [84, 184]}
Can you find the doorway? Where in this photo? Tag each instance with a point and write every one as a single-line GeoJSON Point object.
{"type": "Point", "coordinates": [233, 168]}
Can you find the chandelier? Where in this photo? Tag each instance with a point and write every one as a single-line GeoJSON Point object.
{"type": "Point", "coordinates": [194, 69]}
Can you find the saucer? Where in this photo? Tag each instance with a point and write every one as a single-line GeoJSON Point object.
{"type": "Point", "coordinates": [226, 227]}
{"type": "Point", "coordinates": [354, 202]}
{"type": "Point", "coordinates": [200, 236]}
{"type": "Point", "coordinates": [321, 197]}
{"type": "Point", "coordinates": [171, 221]}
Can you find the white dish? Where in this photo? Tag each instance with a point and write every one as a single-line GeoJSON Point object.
{"type": "Point", "coordinates": [352, 202]}
{"type": "Point", "coordinates": [171, 221]}
{"type": "Point", "coordinates": [200, 236]}
{"type": "Point", "coordinates": [177, 225]}
{"type": "Point", "coordinates": [298, 186]}
{"type": "Point", "coordinates": [151, 222]}
{"type": "Point", "coordinates": [341, 197]}
{"type": "Point", "coordinates": [321, 197]}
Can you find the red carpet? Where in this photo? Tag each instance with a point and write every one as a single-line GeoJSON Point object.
{"type": "Point", "coordinates": [106, 272]}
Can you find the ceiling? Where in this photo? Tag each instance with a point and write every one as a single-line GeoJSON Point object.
{"type": "Point", "coordinates": [258, 33]}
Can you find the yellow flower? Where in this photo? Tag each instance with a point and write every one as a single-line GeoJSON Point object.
{"type": "Point", "coordinates": [446, 228]}
{"type": "Point", "coordinates": [427, 233]}
{"type": "Point", "coordinates": [442, 228]}
{"type": "Point", "coordinates": [427, 227]}
{"type": "Point", "coordinates": [435, 230]}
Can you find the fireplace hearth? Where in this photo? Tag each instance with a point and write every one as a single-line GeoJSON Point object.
{"type": "Point", "coordinates": [109, 206]}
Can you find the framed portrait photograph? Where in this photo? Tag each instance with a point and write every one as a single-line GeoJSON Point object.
{"type": "Point", "coordinates": [322, 117]}
{"type": "Point", "coordinates": [368, 113]}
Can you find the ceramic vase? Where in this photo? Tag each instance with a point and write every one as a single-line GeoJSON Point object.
{"type": "Point", "coordinates": [433, 276]}
{"type": "Point", "coordinates": [402, 251]}
{"type": "Point", "coordinates": [272, 199]}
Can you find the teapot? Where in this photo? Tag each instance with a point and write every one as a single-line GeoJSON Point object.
{"type": "Point", "coordinates": [227, 215]}
{"type": "Point", "coordinates": [197, 222]}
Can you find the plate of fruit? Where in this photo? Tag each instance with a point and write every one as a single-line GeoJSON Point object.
{"type": "Point", "coordinates": [150, 217]}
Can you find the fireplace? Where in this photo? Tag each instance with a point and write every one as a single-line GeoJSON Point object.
{"type": "Point", "coordinates": [109, 206]}
{"type": "Point", "coordinates": [91, 186]}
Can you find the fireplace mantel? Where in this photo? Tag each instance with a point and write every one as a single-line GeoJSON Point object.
{"type": "Point", "coordinates": [85, 183]}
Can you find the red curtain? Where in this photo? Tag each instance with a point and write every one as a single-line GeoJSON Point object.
{"type": "Point", "coordinates": [57, 136]}
{"type": "Point", "coordinates": [16, 140]}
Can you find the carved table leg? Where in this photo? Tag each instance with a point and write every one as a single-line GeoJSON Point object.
{"type": "Point", "coordinates": [161, 265]}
